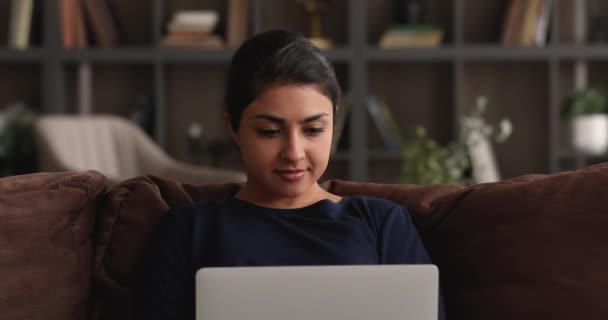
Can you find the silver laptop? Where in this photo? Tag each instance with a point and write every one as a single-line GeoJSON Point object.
{"type": "Point", "coordinates": [314, 293]}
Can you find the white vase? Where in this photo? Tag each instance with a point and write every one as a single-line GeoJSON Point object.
{"type": "Point", "coordinates": [590, 134]}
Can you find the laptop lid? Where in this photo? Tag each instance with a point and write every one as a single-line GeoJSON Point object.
{"type": "Point", "coordinates": [318, 292]}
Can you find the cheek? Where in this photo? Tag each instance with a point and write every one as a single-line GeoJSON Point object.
{"type": "Point", "coordinates": [320, 150]}
{"type": "Point", "coordinates": [256, 151]}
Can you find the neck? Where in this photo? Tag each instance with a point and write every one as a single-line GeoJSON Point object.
{"type": "Point", "coordinates": [252, 194]}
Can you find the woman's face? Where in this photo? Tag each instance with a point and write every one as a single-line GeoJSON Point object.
{"type": "Point", "coordinates": [285, 137]}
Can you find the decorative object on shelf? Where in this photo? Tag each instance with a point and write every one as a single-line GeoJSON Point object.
{"type": "Point", "coordinates": [587, 111]}
{"type": "Point", "coordinates": [191, 28]}
{"type": "Point", "coordinates": [17, 146]}
{"type": "Point", "coordinates": [409, 29]}
{"type": "Point", "coordinates": [196, 143]}
{"type": "Point", "coordinates": [478, 136]}
{"type": "Point", "coordinates": [144, 113]}
{"type": "Point", "coordinates": [425, 161]}
{"type": "Point", "coordinates": [382, 117]}
{"type": "Point", "coordinates": [526, 23]}
{"type": "Point", "coordinates": [315, 9]}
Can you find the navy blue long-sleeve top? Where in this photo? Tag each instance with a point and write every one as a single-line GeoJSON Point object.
{"type": "Point", "coordinates": [233, 232]}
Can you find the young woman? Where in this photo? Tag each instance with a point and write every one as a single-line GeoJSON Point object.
{"type": "Point", "coordinates": [281, 97]}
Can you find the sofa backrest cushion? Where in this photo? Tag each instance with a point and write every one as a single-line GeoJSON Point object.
{"type": "Point", "coordinates": [46, 229]}
{"type": "Point", "coordinates": [534, 247]}
{"type": "Point", "coordinates": [524, 248]}
{"type": "Point", "coordinates": [134, 207]}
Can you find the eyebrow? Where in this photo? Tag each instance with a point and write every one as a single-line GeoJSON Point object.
{"type": "Point", "coordinates": [281, 121]}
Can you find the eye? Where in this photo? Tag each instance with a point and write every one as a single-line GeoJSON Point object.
{"type": "Point", "coordinates": [269, 132]}
{"type": "Point", "coordinates": [313, 131]}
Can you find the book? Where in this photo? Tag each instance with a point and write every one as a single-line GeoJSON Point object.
{"type": "Point", "coordinates": [512, 22]}
{"type": "Point", "coordinates": [67, 23]}
{"type": "Point", "coordinates": [531, 17]}
{"type": "Point", "coordinates": [175, 26]}
{"type": "Point", "coordinates": [81, 29]}
{"type": "Point", "coordinates": [202, 41]}
{"type": "Point", "coordinates": [384, 121]}
{"type": "Point", "coordinates": [72, 26]}
{"type": "Point", "coordinates": [399, 36]}
{"type": "Point", "coordinates": [526, 23]}
{"type": "Point", "coordinates": [542, 26]}
{"type": "Point", "coordinates": [204, 18]}
{"type": "Point", "coordinates": [104, 27]}
{"type": "Point", "coordinates": [20, 24]}
{"type": "Point", "coordinates": [193, 29]}
{"type": "Point", "coordinates": [237, 22]}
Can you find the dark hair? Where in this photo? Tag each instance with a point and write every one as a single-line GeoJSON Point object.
{"type": "Point", "coordinates": [275, 57]}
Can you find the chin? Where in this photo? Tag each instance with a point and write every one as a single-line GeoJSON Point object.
{"type": "Point", "coordinates": [292, 191]}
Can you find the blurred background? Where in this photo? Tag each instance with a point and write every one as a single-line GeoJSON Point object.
{"type": "Point", "coordinates": [436, 91]}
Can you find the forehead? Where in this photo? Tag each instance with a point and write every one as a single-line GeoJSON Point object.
{"type": "Point", "coordinates": [290, 99]}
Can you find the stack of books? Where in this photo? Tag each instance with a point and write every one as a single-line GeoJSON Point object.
{"type": "Point", "coordinates": [193, 29]}
{"type": "Point", "coordinates": [526, 23]}
{"type": "Point", "coordinates": [78, 17]}
{"type": "Point", "coordinates": [400, 36]}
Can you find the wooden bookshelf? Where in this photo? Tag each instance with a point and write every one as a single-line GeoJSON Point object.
{"type": "Point", "coordinates": [430, 86]}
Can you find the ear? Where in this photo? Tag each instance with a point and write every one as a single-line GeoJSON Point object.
{"type": "Point", "coordinates": [233, 133]}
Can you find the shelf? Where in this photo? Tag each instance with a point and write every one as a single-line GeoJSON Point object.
{"type": "Point", "coordinates": [194, 55]}
{"type": "Point", "coordinates": [429, 86]}
{"type": "Point", "coordinates": [344, 54]}
{"type": "Point", "coordinates": [110, 55]}
{"type": "Point", "coordinates": [163, 54]}
{"type": "Point", "coordinates": [488, 53]}
{"type": "Point", "coordinates": [14, 55]}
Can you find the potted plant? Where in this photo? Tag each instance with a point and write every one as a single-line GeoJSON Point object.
{"type": "Point", "coordinates": [425, 161]}
{"type": "Point", "coordinates": [587, 112]}
{"type": "Point", "coordinates": [17, 147]}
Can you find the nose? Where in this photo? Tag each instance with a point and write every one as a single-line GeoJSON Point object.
{"type": "Point", "coordinates": [293, 148]}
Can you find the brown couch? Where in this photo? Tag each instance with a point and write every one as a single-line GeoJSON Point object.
{"type": "Point", "coordinates": [534, 247]}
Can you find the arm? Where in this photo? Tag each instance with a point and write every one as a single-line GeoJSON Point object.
{"type": "Point", "coordinates": [165, 286]}
{"type": "Point", "coordinates": [400, 243]}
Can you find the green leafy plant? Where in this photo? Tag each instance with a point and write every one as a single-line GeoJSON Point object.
{"type": "Point", "coordinates": [17, 144]}
{"type": "Point", "coordinates": [585, 102]}
{"type": "Point", "coordinates": [425, 161]}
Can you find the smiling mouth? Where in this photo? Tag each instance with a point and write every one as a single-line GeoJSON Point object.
{"type": "Point", "coordinates": [291, 175]}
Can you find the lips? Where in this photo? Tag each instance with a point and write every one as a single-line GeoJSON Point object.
{"type": "Point", "coordinates": [291, 175]}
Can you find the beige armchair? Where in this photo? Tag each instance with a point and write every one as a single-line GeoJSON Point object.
{"type": "Point", "coordinates": [117, 148]}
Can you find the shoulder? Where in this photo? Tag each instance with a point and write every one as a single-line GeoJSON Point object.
{"type": "Point", "coordinates": [376, 210]}
{"type": "Point", "coordinates": [183, 216]}
{"type": "Point", "coordinates": [375, 205]}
